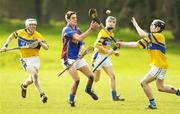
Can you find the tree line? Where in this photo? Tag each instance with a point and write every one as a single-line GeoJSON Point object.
{"type": "Point", "coordinates": [144, 10]}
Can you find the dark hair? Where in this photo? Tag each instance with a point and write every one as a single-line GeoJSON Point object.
{"type": "Point", "coordinates": [159, 23]}
{"type": "Point", "coordinates": [69, 14]}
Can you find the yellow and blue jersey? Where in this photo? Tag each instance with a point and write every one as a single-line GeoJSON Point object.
{"type": "Point", "coordinates": [104, 40]}
{"type": "Point", "coordinates": [156, 46]}
{"type": "Point", "coordinates": [24, 39]}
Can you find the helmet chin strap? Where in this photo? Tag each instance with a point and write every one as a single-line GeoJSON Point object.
{"type": "Point", "coordinates": [29, 31]}
{"type": "Point", "coordinates": [110, 28]}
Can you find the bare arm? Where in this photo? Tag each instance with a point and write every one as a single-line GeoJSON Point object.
{"type": "Point", "coordinates": [106, 51]}
{"type": "Point", "coordinates": [141, 32]}
{"type": "Point", "coordinates": [82, 36]}
{"type": "Point", "coordinates": [128, 44]}
{"type": "Point", "coordinates": [43, 44]}
{"type": "Point", "coordinates": [9, 39]}
{"type": "Point", "coordinates": [93, 26]}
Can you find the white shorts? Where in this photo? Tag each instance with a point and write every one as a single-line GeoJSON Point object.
{"type": "Point", "coordinates": [158, 73]}
{"type": "Point", "coordinates": [98, 57]}
{"type": "Point", "coordinates": [30, 61]}
{"type": "Point", "coordinates": [80, 63]}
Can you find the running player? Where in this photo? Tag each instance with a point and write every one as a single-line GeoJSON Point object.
{"type": "Point", "coordinates": [103, 49]}
{"type": "Point", "coordinates": [72, 39]}
{"type": "Point", "coordinates": [154, 42]}
{"type": "Point", "coordinates": [29, 57]}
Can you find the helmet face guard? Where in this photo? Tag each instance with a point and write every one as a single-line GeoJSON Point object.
{"type": "Point", "coordinates": [111, 22]}
{"type": "Point", "coordinates": [29, 22]}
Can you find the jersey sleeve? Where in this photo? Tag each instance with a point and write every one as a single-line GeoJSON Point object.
{"type": "Point", "coordinates": [143, 43]}
{"type": "Point", "coordinates": [40, 36]}
{"type": "Point", "coordinates": [68, 32]}
{"type": "Point", "coordinates": [16, 33]}
{"type": "Point", "coordinates": [100, 39]}
{"type": "Point", "coordinates": [81, 43]}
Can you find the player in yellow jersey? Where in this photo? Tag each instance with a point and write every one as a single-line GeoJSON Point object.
{"type": "Point", "coordinates": [29, 57]}
{"type": "Point", "coordinates": [154, 42]}
{"type": "Point", "coordinates": [103, 49]}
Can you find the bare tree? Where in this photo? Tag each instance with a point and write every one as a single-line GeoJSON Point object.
{"type": "Point", "coordinates": [45, 11]}
{"type": "Point", "coordinates": [38, 10]}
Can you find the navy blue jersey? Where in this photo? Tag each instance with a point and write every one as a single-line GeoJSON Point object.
{"type": "Point", "coordinates": [70, 49]}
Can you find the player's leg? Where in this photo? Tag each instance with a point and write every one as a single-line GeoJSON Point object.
{"type": "Point", "coordinates": [31, 66]}
{"type": "Point", "coordinates": [145, 85]}
{"type": "Point", "coordinates": [97, 74]}
{"type": "Point", "coordinates": [111, 75]}
{"type": "Point", "coordinates": [95, 62]}
{"type": "Point", "coordinates": [36, 64]}
{"type": "Point", "coordinates": [28, 81]}
{"type": "Point", "coordinates": [165, 88]}
{"type": "Point", "coordinates": [34, 73]}
{"type": "Point", "coordinates": [73, 73]}
{"type": "Point", "coordinates": [147, 90]}
{"type": "Point", "coordinates": [82, 66]}
{"type": "Point", "coordinates": [86, 71]}
{"type": "Point", "coordinates": [150, 76]}
{"type": "Point", "coordinates": [24, 86]}
{"type": "Point", "coordinates": [24, 63]}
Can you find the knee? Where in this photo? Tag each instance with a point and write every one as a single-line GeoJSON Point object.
{"type": "Point", "coordinates": [29, 80]}
{"type": "Point", "coordinates": [35, 75]}
{"type": "Point", "coordinates": [33, 72]}
{"type": "Point", "coordinates": [143, 84]}
{"type": "Point", "coordinates": [91, 77]}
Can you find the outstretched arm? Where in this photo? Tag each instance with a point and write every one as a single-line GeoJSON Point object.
{"type": "Point", "coordinates": [9, 39]}
{"type": "Point", "coordinates": [127, 44]}
{"type": "Point", "coordinates": [93, 26]}
{"type": "Point", "coordinates": [141, 32]}
{"type": "Point", "coordinates": [107, 51]}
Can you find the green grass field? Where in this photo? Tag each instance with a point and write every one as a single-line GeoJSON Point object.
{"type": "Point", "coordinates": [129, 68]}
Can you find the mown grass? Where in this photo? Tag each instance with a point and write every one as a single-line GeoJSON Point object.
{"type": "Point", "coordinates": [129, 68]}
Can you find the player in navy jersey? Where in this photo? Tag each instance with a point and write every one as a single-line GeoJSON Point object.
{"type": "Point", "coordinates": [73, 44]}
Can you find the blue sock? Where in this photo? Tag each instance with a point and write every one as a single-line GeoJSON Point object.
{"type": "Point", "coordinates": [178, 92]}
{"type": "Point", "coordinates": [114, 94]}
{"type": "Point", "coordinates": [88, 89]}
{"type": "Point", "coordinates": [152, 102]}
{"type": "Point", "coordinates": [71, 97]}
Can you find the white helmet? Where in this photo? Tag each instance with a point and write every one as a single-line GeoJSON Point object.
{"type": "Point", "coordinates": [111, 24]}
{"type": "Point", "coordinates": [30, 21]}
{"type": "Point", "coordinates": [159, 23]}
